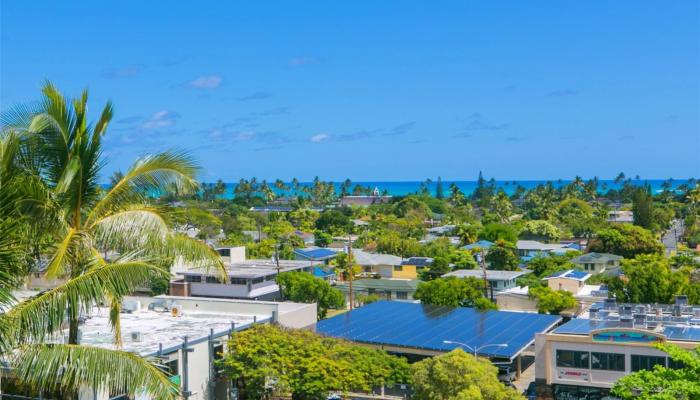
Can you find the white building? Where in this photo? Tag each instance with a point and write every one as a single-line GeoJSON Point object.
{"type": "Point", "coordinates": [187, 335]}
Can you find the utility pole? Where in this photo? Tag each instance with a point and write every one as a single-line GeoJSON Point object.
{"type": "Point", "coordinates": [349, 269]}
{"type": "Point", "coordinates": [482, 261]}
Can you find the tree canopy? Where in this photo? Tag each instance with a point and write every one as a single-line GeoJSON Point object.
{"type": "Point", "coordinates": [552, 301]}
{"type": "Point", "coordinates": [503, 256]}
{"type": "Point", "coordinates": [458, 376]}
{"type": "Point", "coordinates": [626, 240]}
{"type": "Point", "coordinates": [267, 359]}
{"type": "Point", "coordinates": [453, 291]}
{"type": "Point", "coordinates": [306, 288]}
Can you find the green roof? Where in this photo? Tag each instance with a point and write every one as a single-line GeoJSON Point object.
{"type": "Point", "coordinates": [381, 284]}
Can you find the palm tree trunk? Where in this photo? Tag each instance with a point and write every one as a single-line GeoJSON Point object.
{"type": "Point", "coordinates": [73, 330]}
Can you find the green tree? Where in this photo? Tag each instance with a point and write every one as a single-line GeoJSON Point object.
{"type": "Point", "coordinates": [552, 301]}
{"type": "Point", "coordinates": [458, 376]}
{"type": "Point", "coordinates": [267, 360]}
{"type": "Point", "coordinates": [306, 288]}
{"type": "Point", "coordinates": [334, 222]}
{"type": "Point", "coordinates": [495, 232]}
{"type": "Point", "coordinates": [502, 206]}
{"type": "Point", "coordinates": [439, 267]}
{"type": "Point", "coordinates": [64, 152]}
{"type": "Point", "coordinates": [643, 207]}
{"type": "Point", "coordinates": [650, 279]}
{"type": "Point", "coordinates": [503, 256]}
{"type": "Point", "coordinates": [439, 190]}
{"type": "Point", "coordinates": [540, 230]}
{"type": "Point", "coordinates": [663, 383]}
{"type": "Point", "coordinates": [452, 291]}
{"type": "Point", "coordinates": [625, 240]}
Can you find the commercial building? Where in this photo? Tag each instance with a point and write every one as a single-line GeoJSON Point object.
{"type": "Point", "coordinates": [498, 280]}
{"type": "Point", "coordinates": [584, 357]}
{"type": "Point", "coordinates": [246, 279]}
{"type": "Point", "coordinates": [186, 335]}
{"type": "Point", "coordinates": [419, 330]}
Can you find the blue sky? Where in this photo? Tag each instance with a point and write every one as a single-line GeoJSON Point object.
{"type": "Point", "coordinates": [390, 90]}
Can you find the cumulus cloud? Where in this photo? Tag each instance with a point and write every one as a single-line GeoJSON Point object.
{"type": "Point", "coordinates": [206, 82]}
{"type": "Point", "coordinates": [161, 119]}
{"type": "Point", "coordinates": [319, 138]}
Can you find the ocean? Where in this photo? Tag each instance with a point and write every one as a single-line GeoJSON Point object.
{"type": "Point", "coordinates": [402, 188]}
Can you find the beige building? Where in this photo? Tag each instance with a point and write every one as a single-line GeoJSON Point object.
{"type": "Point", "coordinates": [584, 357]}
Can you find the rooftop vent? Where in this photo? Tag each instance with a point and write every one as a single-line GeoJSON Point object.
{"type": "Point", "coordinates": [640, 319]}
{"type": "Point", "coordinates": [593, 313]}
{"type": "Point", "coordinates": [676, 311]}
{"type": "Point", "coordinates": [135, 336]}
{"type": "Point", "coordinates": [696, 312]}
{"type": "Point", "coordinates": [610, 303]}
{"type": "Point", "coordinates": [681, 300]}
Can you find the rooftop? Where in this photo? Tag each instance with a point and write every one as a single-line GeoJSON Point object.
{"type": "Point", "coordinates": [535, 245]}
{"type": "Point", "coordinates": [570, 274]}
{"type": "Point", "coordinates": [408, 285]}
{"type": "Point", "coordinates": [482, 244]}
{"type": "Point", "coordinates": [316, 253]}
{"type": "Point", "coordinates": [366, 258]}
{"type": "Point", "coordinates": [254, 268]}
{"type": "Point", "coordinates": [596, 258]}
{"type": "Point", "coordinates": [408, 326]}
{"type": "Point", "coordinates": [159, 328]}
{"type": "Point", "coordinates": [490, 274]}
{"type": "Point", "coordinates": [418, 261]}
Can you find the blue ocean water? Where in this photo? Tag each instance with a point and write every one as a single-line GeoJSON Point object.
{"type": "Point", "coordinates": [402, 188]}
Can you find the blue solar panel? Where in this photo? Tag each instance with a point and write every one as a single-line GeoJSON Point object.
{"type": "Point", "coordinates": [316, 253]}
{"type": "Point", "coordinates": [426, 327]}
{"type": "Point", "coordinates": [576, 274]}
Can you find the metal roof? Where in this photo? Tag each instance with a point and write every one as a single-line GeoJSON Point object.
{"type": "Point", "coordinates": [418, 326]}
{"type": "Point", "coordinates": [490, 274]}
{"type": "Point", "coordinates": [595, 258]}
{"type": "Point", "coordinates": [570, 274]}
{"type": "Point", "coordinates": [408, 285]}
{"type": "Point", "coordinates": [316, 253]}
{"type": "Point", "coordinates": [365, 258]}
{"type": "Point", "coordinates": [482, 244]}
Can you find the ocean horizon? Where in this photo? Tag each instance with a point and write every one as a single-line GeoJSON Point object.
{"type": "Point", "coordinates": [403, 188]}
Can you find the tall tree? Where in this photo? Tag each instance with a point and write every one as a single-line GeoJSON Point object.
{"type": "Point", "coordinates": [643, 207]}
{"type": "Point", "coordinates": [63, 151]}
{"type": "Point", "coordinates": [439, 190]}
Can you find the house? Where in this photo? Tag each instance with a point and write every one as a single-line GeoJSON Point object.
{"type": "Point", "coordinates": [621, 217]}
{"type": "Point", "coordinates": [246, 279]}
{"type": "Point", "coordinates": [318, 254]}
{"type": "Point", "coordinates": [596, 263]}
{"type": "Point", "coordinates": [571, 280]}
{"type": "Point", "coordinates": [390, 289]}
{"type": "Point", "coordinates": [498, 280]}
{"type": "Point", "coordinates": [364, 201]}
{"type": "Point", "coordinates": [308, 237]}
{"type": "Point", "coordinates": [481, 244]}
{"type": "Point", "coordinates": [410, 268]}
{"type": "Point", "coordinates": [325, 273]}
{"type": "Point", "coordinates": [384, 265]}
{"type": "Point", "coordinates": [584, 357]}
{"type": "Point", "coordinates": [533, 248]}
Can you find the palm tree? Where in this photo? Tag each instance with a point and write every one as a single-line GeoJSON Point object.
{"type": "Point", "coordinates": [65, 152]}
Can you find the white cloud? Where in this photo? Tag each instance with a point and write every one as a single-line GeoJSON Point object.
{"type": "Point", "coordinates": [161, 119]}
{"type": "Point", "coordinates": [243, 136]}
{"type": "Point", "coordinates": [206, 82]}
{"type": "Point", "coordinates": [319, 138]}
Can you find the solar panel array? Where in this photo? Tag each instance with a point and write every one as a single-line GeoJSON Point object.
{"type": "Point", "coordinates": [419, 326]}
{"type": "Point", "coordinates": [582, 326]}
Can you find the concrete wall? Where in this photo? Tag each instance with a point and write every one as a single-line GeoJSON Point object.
{"type": "Point", "coordinates": [515, 302]}
{"type": "Point", "coordinates": [569, 285]}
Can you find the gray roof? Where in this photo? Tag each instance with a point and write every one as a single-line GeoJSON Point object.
{"type": "Point", "coordinates": [253, 268]}
{"type": "Point", "coordinates": [408, 285]}
{"type": "Point", "coordinates": [535, 245]}
{"type": "Point", "coordinates": [491, 274]}
{"type": "Point", "coordinates": [371, 259]}
{"type": "Point", "coordinates": [595, 258]}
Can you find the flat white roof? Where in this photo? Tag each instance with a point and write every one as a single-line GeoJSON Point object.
{"type": "Point", "coordinates": [158, 328]}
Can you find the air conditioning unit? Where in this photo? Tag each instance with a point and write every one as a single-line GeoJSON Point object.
{"type": "Point", "coordinates": [135, 336]}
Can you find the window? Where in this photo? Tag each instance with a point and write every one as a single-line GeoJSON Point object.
{"type": "Point", "coordinates": [193, 278]}
{"type": "Point", "coordinates": [398, 268]}
{"type": "Point", "coordinates": [224, 252]}
{"type": "Point", "coordinates": [608, 361]}
{"type": "Point", "coordinates": [675, 364]}
{"type": "Point", "coordinates": [259, 280]}
{"type": "Point", "coordinates": [238, 281]}
{"type": "Point", "coordinates": [573, 359]}
{"type": "Point", "coordinates": [402, 295]}
{"type": "Point", "coordinates": [270, 277]}
{"type": "Point", "coordinates": [213, 279]}
{"type": "Point", "coordinates": [646, 362]}
{"type": "Point", "coordinates": [370, 291]}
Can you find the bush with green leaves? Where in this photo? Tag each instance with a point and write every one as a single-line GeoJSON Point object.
{"type": "Point", "coordinates": [552, 301]}
{"type": "Point", "coordinates": [302, 287]}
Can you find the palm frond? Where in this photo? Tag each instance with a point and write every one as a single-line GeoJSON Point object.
{"type": "Point", "coordinates": [150, 175]}
{"type": "Point", "coordinates": [82, 292]}
{"type": "Point", "coordinates": [129, 228]}
{"type": "Point", "coordinates": [195, 253]}
{"type": "Point", "coordinates": [61, 257]}
{"type": "Point", "coordinates": [68, 368]}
